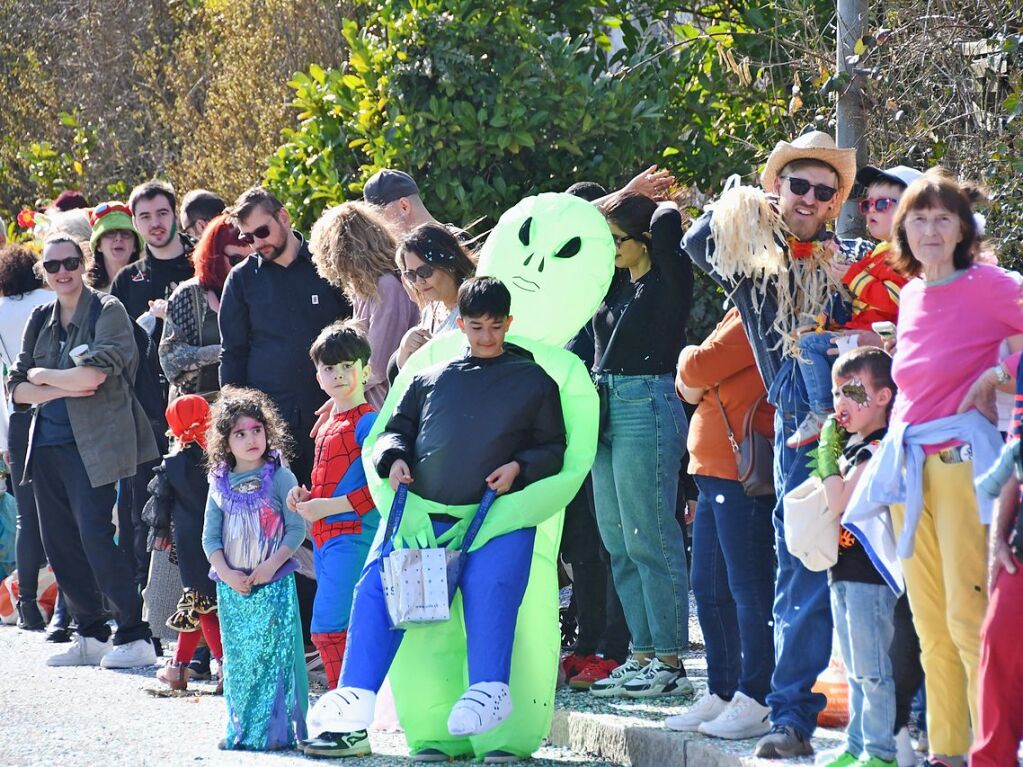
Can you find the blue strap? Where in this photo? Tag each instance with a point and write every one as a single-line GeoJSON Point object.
{"type": "Point", "coordinates": [470, 535]}
{"type": "Point", "coordinates": [393, 520]}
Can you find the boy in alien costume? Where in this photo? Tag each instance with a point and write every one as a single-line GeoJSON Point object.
{"type": "Point", "coordinates": [555, 254]}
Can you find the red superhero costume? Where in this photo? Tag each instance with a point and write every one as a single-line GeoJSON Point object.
{"type": "Point", "coordinates": [342, 540]}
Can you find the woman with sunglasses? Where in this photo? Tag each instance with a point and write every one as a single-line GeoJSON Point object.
{"type": "Point", "coordinates": [190, 345]}
{"type": "Point", "coordinates": [76, 365]}
{"type": "Point", "coordinates": [21, 291]}
{"type": "Point", "coordinates": [433, 265]}
{"type": "Point", "coordinates": [639, 330]}
{"type": "Point", "coordinates": [353, 248]}
{"type": "Point", "coordinates": [114, 243]}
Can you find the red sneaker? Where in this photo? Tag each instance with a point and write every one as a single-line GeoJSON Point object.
{"type": "Point", "coordinates": [572, 664]}
{"type": "Point", "coordinates": [595, 670]}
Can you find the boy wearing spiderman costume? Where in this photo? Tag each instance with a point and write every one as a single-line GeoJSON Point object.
{"type": "Point", "coordinates": [338, 506]}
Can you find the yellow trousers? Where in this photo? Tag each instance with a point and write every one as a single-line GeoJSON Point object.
{"type": "Point", "coordinates": [946, 579]}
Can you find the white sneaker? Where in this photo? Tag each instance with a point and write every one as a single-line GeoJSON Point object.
{"type": "Point", "coordinates": [83, 651]}
{"type": "Point", "coordinates": [742, 718]}
{"type": "Point", "coordinates": [482, 707]}
{"type": "Point", "coordinates": [615, 684]}
{"type": "Point", "coordinates": [130, 655]}
{"type": "Point", "coordinates": [706, 708]}
{"type": "Point", "coordinates": [658, 679]}
{"type": "Point", "coordinates": [904, 753]}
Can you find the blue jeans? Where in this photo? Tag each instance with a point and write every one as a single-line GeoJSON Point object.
{"type": "Point", "coordinates": [492, 586]}
{"type": "Point", "coordinates": [635, 488]}
{"type": "Point", "coordinates": [802, 605]}
{"type": "Point", "coordinates": [865, 623]}
{"type": "Point", "coordinates": [815, 369]}
{"type": "Point", "coordinates": [733, 582]}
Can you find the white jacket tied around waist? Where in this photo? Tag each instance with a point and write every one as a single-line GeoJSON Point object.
{"type": "Point", "coordinates": [895, 475]}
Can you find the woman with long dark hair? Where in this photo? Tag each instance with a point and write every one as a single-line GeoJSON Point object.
{"type": "Point", "coordinates": [433, 266]}
{"type": "Point", "coordinates": [190, 346]}
{"type": "Point", "coordinates": [639, 330]}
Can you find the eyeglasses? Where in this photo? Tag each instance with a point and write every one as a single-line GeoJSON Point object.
{"type": "Point", "coordinates": [259, 233]}
{"type": "Point", "coordinates": [70, 264]}
{"type": "Point", "coordinates": [880, 204]}
{"type": "Point", "coordinates": [234, 260]}
{"type": "Point", "coordinates": [423, 272]}
{"type": "Point", "coordinates": [801, 186]}
{"type": "Point", "coordinates": [620, 240]}
{"type": "Point", "coordinates": [119, 234]}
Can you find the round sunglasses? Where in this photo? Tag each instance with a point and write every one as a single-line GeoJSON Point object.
{"type": "Point", "coordinates": [259, 233]}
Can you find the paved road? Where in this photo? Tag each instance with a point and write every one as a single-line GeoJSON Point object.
{"type": "Point", "coordinates": [85, 717]}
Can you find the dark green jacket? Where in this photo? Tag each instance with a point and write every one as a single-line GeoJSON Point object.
{"type": "Point", "coordinates": [104, 423]}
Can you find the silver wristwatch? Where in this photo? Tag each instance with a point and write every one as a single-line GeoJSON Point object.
{"type": "Point", "coordinates": [1001, 377]}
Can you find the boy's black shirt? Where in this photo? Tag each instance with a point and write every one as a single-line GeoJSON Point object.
{"type": "Point", "coordinates": [459, 421]}
{"type": "Point", "coordinates": [853, 563]}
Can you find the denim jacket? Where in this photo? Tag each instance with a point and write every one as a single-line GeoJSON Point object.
{"type": "Point", "coordinates": [103, 423]}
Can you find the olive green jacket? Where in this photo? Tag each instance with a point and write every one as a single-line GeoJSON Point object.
{"type": "Point", "coordinates": [104, 423]}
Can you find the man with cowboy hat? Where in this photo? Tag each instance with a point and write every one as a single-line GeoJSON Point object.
{"type": "Point", "coordinates": [768, 249]}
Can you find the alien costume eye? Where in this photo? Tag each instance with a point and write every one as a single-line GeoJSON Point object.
{"type": "Point", "coordinates": [524, 231]}
{"type": "Point", "coordinates": [570, 248]}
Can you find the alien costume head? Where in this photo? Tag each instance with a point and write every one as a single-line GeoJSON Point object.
{"type": "Point", "coordinates": [556, 255]}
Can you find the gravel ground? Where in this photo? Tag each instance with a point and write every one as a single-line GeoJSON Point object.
{"type": "Point", "coordinates": [71, 717]}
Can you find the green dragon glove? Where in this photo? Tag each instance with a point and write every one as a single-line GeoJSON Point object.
{"type": "Point", "coordinates": [824, 458]}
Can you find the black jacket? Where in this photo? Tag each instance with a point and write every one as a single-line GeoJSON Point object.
{"type": "Point", "coordinates": [459, 421]}
{"type": "Point", "coordinates": [269, 317]}
{"type": "Point", "coordinates": [151, 278]}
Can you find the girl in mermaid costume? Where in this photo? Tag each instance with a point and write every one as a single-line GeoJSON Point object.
{"type": "Point", "coordinates": [249, 536]}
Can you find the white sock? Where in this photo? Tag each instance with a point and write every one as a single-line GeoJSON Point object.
{"type": "Point", "coordinates": [481, 708]}
{"type": "Point", "coordinates": [345, 709]}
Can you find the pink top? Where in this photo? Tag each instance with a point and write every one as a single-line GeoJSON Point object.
{"type": "Point", "coordinates": [948, 334]}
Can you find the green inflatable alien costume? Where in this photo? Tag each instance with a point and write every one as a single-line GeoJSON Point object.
{"type": "Point", "coordinates": [556, 255]}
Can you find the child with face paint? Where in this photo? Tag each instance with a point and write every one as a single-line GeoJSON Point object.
{"type": "Point", "coordinates": [862, 604]}
{"type": "Point", "coordinates": [874, 286]}
{"type": "Point", "coordinates": [339, 508]}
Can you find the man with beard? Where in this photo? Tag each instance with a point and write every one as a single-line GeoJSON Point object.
{"type": "Point", "coordinates": [770, 251]}
{"type": "Point", "coordinates": [274, 306]}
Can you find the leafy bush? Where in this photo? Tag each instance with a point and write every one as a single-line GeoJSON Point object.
{"type": "Point", "coordinates": [482, 105]}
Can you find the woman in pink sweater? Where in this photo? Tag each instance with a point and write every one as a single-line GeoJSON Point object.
{"type": "Point", "coordinates": [953, 317]}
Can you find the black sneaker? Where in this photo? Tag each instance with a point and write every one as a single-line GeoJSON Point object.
{"type": "Point", "coordinates": [58, 634]}
{"type": "Point", "coordinates": [335, 744]}
{"type": "Point", "coordinates": [29, 617]}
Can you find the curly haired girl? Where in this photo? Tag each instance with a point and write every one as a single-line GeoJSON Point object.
{"type": "Point", "coordinates": [249, 536]}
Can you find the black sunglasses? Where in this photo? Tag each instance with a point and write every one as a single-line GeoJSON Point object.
{"type": "Point", "coordinates": [424, 272]}
{"type": "Point", "coordinates": [801, 186]}
{"type": "Point", "coordinates": [260, 233]}
{"type": "Point", "coordinates": [70, 264]}
{"type": "Point", "coordinates": [619, 240]}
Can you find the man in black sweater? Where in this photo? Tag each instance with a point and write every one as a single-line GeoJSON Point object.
{"type": "Point", "coordinates": [273, 307]}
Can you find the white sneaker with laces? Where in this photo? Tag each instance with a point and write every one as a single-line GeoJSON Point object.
{"type": "Point", "coordinates": [742, 718]}
{"type": "Point", "coordinates": [83, 651]}
{"type": "Point", "coordinates": [706, 708]}
{"type": "Point", "coordinates": [615, 683]}
{"type": "Point", "coordinates": [130, 655]}
{"type": "Point", "coordinates": [658, 679]}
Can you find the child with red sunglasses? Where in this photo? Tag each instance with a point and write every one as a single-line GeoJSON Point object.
{"type": "Point", "coordinates": [875, 290]}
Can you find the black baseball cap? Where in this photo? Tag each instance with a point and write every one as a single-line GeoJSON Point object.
{"type": "Point", "coordinates": [388, 185]}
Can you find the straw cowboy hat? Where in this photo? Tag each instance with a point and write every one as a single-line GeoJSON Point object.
{"type": "Point", "coordinates": [815, 145]}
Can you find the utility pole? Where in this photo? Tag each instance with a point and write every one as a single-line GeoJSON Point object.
{"type": "Point", "coordinates": [850, 116]}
